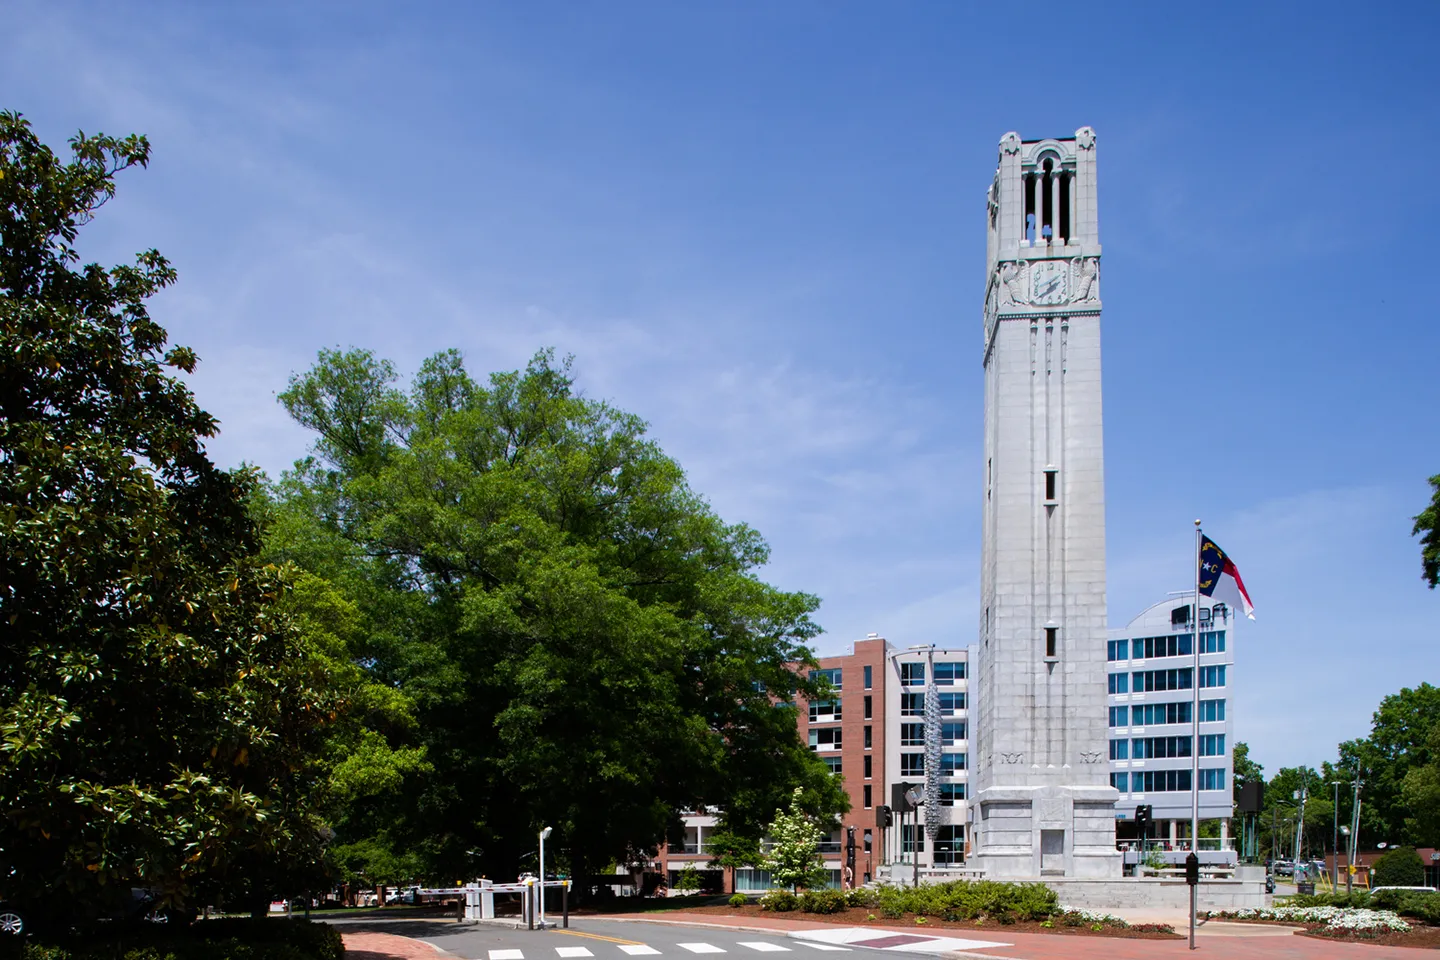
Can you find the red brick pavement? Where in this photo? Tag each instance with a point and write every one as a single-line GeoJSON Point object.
{"type": "Point", "coordinates": [1060, 947]}
{"type": "Point", "coordinates": [387, 946]}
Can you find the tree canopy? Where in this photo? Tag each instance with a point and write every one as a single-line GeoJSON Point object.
{"type": "Point", "coordinates": [580, 641]}
{"type": "Point", "coordinates": [1427, 528]}
{"type": "Point", "coordinates": [158, 713]}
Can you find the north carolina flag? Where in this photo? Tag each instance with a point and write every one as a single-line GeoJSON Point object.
{"type": "Point", "coordinates": [1220, 578]}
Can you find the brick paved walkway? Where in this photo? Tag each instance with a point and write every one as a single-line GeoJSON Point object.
{"type": "Point", "coordinates": [387, 946]}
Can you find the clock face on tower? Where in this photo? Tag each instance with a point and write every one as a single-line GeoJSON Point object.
{"type": "Point", "coordinates": [1049, 282]}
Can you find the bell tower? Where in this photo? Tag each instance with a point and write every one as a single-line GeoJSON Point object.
{"type": "Point", "coordinates": [1043, 805]}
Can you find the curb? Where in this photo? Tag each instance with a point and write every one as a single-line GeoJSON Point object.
{"type": "Point", "coordinates": [701, 923]}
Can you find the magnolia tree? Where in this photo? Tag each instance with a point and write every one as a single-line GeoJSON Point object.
{"type": "Point", "coordinates": [794, 860]}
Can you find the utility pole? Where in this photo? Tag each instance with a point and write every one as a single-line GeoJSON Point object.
{"type": "Point", "coordinates": [1335, 846]}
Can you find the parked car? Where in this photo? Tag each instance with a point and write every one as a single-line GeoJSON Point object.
{"type": "Point", "coordinates": [12, 921]}
{"type": "Point", "coordinates": [1283, 868]}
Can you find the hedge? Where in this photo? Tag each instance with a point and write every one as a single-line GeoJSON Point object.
{"type": "Point", "coordinates": [239, 939]}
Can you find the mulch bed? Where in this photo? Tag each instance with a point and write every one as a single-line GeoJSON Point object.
{"type": "Point", "coordinates": [860, 917]}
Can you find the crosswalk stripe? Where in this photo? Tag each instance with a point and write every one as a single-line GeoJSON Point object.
{"type": "Point", "coordinates": [764, 946]}
{"type": "Point", "coordinates": [507, 955]}
{"type": "Point", "coordinates": [639, 949]}
{"type": "Point", "coordinates": [823, 946]}
{"type": "Point", "coordinates": [573, 952]}
{"type": "Point", "coordinates": [700, 947]}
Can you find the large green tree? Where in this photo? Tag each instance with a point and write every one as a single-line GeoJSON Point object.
{"type": "Point", "coordinates": [1427, 528]}
{"type": "Point", "coordinates": [158, 712]}
{"type": "Point", "coordinates": [581, 641]}
{"type": "Point", "coordinates": [1402, 741]}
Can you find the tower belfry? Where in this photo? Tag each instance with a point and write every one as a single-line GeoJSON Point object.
{"type": "Point", "coordinates": [1043, 804]}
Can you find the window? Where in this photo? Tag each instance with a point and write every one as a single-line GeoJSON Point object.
{"type": "Point", "coordinates": [912, 840]}
{"type": "Point", "coordinates": [1117, 650]}
{"type": "Point", "coordinates": [950, 792]}
{"type": "Point", "coordinates": [1212, 745]}
{"type": "Point", "coordinates": [1119, 683]}
{"type": "Point", "coordinates": [1050, 484]}
{"type": "Point", "coordinates": [912, 674]}
{"type": "Point", "coordinates": [827, 738]}
{"type": "Point", "coordinates": [1052, 641]}
{"type": "Point", "coordinates": [1154, 714]}
{"type": "Point", "coordinates": [867, 793]}
{"type": "Point", "coordinates": [1119, 716]}
{"type": "Point", "coordinates": [869, 841]}
{"type": "Point", "coordinates": [952, 733]}
{"type": "Point", "coordinates": [1212, 779]}
{"type": "Point", "coordinates": [947, 674]}
{"type": "Point", "coordinates": [912, 734]}
{"type": "Point", "coordinates": [912, 704]}
{"type": "Point", "coordinates": [912, 764]}
{"type": "Point", "coordinates": [1119, 749]}
{"type": "Point", "coordinates": [950, 844]}
{"type": "Point", "coordinates": [1120, 781]}
{"type": "Point", "coordinates": [1213, 642]}
{"type": "Point", "coordinates": [868, 738]}
{"type": "Point", "coordinates": [1212, 676]}
{"type": "Point", "coordinates": [832, 674]}
{"type": "Point", "coordinates": [824, 711]}
{"type": "Point", "coordinates": [1160, 781]}
{"type": "Point", "coordinates": [1211, 711]}
{"type": "Point", "coordinates": [868, 705]}
{"type": "Point", "coordinates": [1172, 645]}
{"type": "Point", "coordinates": [951, 764]}
{"type": "Point", "coordinates": [869, 676]}
{"type": "Point", "coordinates": [867, 767]}
{"type": "Point", "coordinates": [833, 763]}
{"type": "Point", "coordinates": [1145, 681]}
{"type": "Point", "coordinates": [1159, 748]}
{"type": "Point", "coordinates": [951, 704]}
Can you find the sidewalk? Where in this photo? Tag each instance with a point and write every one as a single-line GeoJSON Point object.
{"type": "Point", "coordinates": [1230, 941]}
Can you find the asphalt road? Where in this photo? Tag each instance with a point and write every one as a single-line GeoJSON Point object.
{"type": "Point", "coordinates": [599, 939]}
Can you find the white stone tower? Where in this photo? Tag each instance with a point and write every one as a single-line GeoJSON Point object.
{"type": "Point", "coordinates": [1043, 804]}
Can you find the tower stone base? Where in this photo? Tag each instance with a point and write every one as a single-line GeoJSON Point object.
{"type": "Point", "coordinates": [1046, 831]}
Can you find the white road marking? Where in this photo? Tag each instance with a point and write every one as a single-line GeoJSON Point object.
{"type": "Point", "coordinates": [573, 952]}
{"type": "Point", "coordinates": [507, 955]}
{"type": "Point", "coordinates": [764, 946]}
{"type": "Point", "coordinates": [639, 949]}
{"type": "Point", "coordinates": [700, 947]}
{"type": "Point", "coordinates": [823, 946]}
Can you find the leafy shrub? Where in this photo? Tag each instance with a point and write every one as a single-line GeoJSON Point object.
{"type": "Point", "coordinates": [1409, 903]}
{"type": "Point", "coordinates": [1152, 928]}
{"type": "Point", "coordinates": [209, 940]}
{"type": "Point", "coordinates": [822, 901]}
{"type": "Point", "coordinates": [892, 903]}
{"type": "Point", "coordinates": [739, 900]}
{"type": "Point", "coordinates": [778, 901]}
{"type": "Point", "coordinates": [862, 897]}
{"type": "Point", "coordinates": [1358, 898]}
{"type": "Point", "coordinates": [1400, 867]}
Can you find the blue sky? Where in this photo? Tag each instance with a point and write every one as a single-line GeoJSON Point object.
{"type": "Point", "coordinates": [761, 227]}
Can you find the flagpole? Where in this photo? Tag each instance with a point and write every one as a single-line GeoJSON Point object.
{"type": "Point", "coordinates": [1195, 732]}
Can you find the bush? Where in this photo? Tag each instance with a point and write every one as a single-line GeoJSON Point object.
{"type": "Point", "coordinates": [739, 900]}
{"type": "Point", "coordinates": [1359, 898]}
{"type": "Point", "coordinates": [822, 901]}
{"type": "Point", "coordinates": [862, 897]}
{"type": "Point", "coordinates": [1409, 903]}
{"type": "Point", "coordinates": [1400, 867]}
{"type": "Point", "coordinates": [892, 903]}
{"type": "Point", "coordinates": [967, 900]}
{"type": "Point", "coordinates": [778, 901]}
{"type": "Point", "coordinates": [209, 940]}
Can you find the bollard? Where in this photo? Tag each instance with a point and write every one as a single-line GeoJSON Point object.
{"type": "Point", "coordinates": [565, 905]}
{"type": "Point", "coordinates": [530, 902]}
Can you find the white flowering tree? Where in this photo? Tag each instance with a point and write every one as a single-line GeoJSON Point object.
{"type": "Point", "coordinates": [794, 859]}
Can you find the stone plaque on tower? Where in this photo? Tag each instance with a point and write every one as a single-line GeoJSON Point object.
{"type": "Point", "coordinates": [1043, 805]}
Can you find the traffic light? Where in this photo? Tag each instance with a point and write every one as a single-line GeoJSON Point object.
{"type": "Point", "coordinates": [882, 816]}
{"type": "Point", "coordinates": [1192, 869]}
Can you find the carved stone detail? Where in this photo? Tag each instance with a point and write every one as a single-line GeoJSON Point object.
{"type": "Point", "coordinates": [1010, 143]}
{"type": "Point", "coordinates": [1011, 757]}
{"type": "Point", "coordinates": [1090, 756]}
{"type": "Point", "coordinates": [1085, 138]}
{"type": "Point", "coordinates": [1047, 283]}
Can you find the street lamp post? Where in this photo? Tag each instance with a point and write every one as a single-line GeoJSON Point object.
{"type": "Point", "coordinates": [1335, 843]}
{"type": "Point", "coordinates": [543, 834]}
